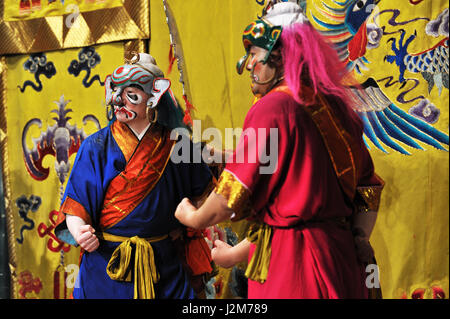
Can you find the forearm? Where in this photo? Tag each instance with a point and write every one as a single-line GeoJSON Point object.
{"type": "Point", "coordinates": [73, 224]}
{"type": "Point", "coordinates": [365, 221]}
{"type": "Point", "coordinates": [241, 251]}
{"type": "Point", "coordinates": [228, 256]}
{"type": "Point", "coordinates": [213, 211]}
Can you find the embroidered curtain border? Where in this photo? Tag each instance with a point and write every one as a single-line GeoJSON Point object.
{"type": "Point", "coordinates": [6, 180]}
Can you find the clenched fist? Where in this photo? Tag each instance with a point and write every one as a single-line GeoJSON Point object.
{"type": "Point", "coordinates": [86, 239]}
{"type": "Point", "coordinates": [222, 254]}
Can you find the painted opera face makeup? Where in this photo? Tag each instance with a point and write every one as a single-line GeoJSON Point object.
{"type": "Point", "coordinates": [262, 74]}
{"type": "Point", "coordinates": [133, 106]}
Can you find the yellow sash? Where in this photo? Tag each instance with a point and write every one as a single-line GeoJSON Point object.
{"type": "Point", "coordinates": [145, 273]}
{"type": "Point", "coordinates": [258, 267]}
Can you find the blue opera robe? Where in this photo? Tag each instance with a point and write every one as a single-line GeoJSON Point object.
{"type": "Point", "coordinates": [99, 161]}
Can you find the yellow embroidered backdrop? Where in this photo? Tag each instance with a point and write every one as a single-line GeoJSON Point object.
{"type": "Point", "coordinates": [411, 235]}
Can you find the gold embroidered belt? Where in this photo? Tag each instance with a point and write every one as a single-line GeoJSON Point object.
{"type": "Point", "coordinates": [145, 273]}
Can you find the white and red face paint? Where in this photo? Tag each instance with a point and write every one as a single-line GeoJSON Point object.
{"type": "Point", "coordinates": [129, 114]}
{"type": "Point", "coordinates": [135, 98]}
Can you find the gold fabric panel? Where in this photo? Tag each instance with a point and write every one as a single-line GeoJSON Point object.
{"type": "Point", "coordinates": [127, 22]}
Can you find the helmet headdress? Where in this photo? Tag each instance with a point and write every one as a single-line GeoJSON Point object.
{"type": "Point", "coordinates": [266, 31]}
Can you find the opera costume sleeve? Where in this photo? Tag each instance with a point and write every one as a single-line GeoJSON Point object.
{"type": "Point", "coordinates": [252, 172]}
{"type": "Point", "coordinates": [97, 162]}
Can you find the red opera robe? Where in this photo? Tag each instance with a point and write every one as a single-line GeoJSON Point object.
{"type": "Point", "coordinates": [313, 256]}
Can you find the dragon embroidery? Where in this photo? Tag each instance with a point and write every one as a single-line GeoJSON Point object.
{"type": "Point", "coordinates": [346, 24]}
{"type": "Point", "coordinates": [431, 63]}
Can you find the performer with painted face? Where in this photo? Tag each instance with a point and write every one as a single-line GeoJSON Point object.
{"type": "Point", "coordinates": [121, 196]}
{"type": "Point", "coordinates": [313, 214]}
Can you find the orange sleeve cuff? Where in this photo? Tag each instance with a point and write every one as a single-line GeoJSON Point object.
{"type": "Point", "coordinates": [72, 207]}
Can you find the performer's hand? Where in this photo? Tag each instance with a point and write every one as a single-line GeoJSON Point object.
{"type": "Point", "coordinates": [86, 239]}
{"type": "Point", "coordinates": [222, 254]}
{"type": "Point", "coordinates": [185, 211]}
{"type": "Point", "coordinates": [364, 250]}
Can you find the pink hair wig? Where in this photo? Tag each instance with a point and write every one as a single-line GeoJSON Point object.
{"type": "Point", "coordinates": [310, 60]}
